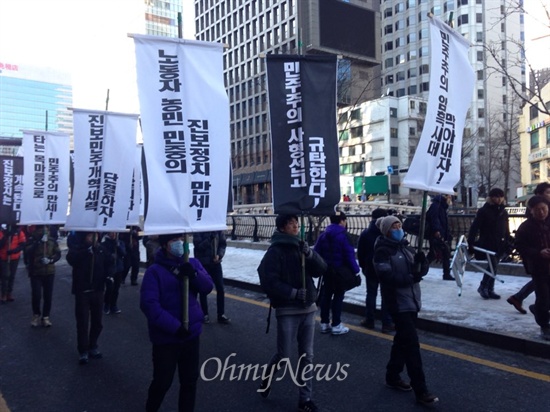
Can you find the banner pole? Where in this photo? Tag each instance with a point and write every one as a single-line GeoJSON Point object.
{"type": "Point", "coordinates": [185, 289]}
{"type": "Point", "coordinates": [422, 221]}
{"type": "Point", "coordinates": [302, 238]}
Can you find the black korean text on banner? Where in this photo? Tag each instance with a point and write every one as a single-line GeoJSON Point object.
{"type": "Point", "coordinates": [302, 107]}
{"type": "Point", "coordinates": [46, 183]}
{"type": "Point", "coordinates": [185, 123]}
{"type": "Point", "coordinates": [11, 186]}
{"type": "Point", "coordinates": [436, 162]}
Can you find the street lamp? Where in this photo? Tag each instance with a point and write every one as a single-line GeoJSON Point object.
{"type": "Point", "coordinates": [364, 192]}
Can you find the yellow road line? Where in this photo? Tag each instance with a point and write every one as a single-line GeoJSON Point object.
{"type": "Point", "coordinates": [441, 351]}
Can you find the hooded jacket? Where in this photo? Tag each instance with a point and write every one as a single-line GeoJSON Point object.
{"type": "Point", "coordinates": [437, 219]}
{"type": "Point", "coordinates": [531, 237]}
{"type": "Point", "coordinates": [36, 249]}
{"type": "Point", "coordinates": [280, 274]}
{"type": "Point", "coordinates": [161, 299]}
{"type": "Point", "coordinates": [334, 247]}
{"type": "Point", "coordinates": [491, 222]}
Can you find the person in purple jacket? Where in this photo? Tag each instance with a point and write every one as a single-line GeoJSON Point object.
{"type": "Point", "coordinates": [335, 248]}
{"type": "Point", "coordinates": [161, 302]}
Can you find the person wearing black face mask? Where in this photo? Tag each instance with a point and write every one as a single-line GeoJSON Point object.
{"type": "Point", "coordinates": [161, 300]}
{"type": "Point", "coordinates": [400, 271]}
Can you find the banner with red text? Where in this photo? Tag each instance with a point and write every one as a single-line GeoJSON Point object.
{"type": "Point", "coordinates": [302, 107]}
{"type": "Point", "coordinates": [46, 182]}
{"type": "Point", "coordinates": [436, 162]}
{"type": "Point", "coordinates": [104, 159]}
{"type": "Point", "coordinates": [185, 124]}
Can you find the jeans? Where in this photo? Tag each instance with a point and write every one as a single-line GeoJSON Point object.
{"type": "Point", "coordinates": [405, 351]}
{"type": "Point", "coordinates": [216, 273]}
{"type": "Point", "coordinates": [292, 329]}
{"type": "Point", "coordinates": [184, 356]}
{"type": "Point", "coordinates": [131, 261]}
{"type": "Point", "coordinates": [525, 291]}
{"type": "Point", "coordinates": [331, 301]}
{"type": "Point", "coordinates": [42, 286]}
{"type": "Point", "coordinates": [372, 283]}
{"type": "Point", "coordinates": [112, 289]}
{"type": "Point", "coordinates": [88, 313]}
{"type": "Point", "coordinates": [7, 275]}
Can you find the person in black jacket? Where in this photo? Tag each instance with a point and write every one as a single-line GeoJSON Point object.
{"type": "Point", "coordinates": [400, 271]}
{"type": "Point", "coordinates": [91, 264]}
{"type": "Point", "coordinates": [533, 244]}
{"type": "Point", "coordinates": [438, 224]}
{"type": "Point", "coordinates": [209, 249]}
{"type": "Point", "coordinates": [281, 278]}
{"type": "Point", "coordinates": [491, 222]}
{"type": "Point", "coordinates": [365, 253]}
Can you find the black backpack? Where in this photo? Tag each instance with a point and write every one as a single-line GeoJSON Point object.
{"type": "Point", "coordinates": [411, 225]}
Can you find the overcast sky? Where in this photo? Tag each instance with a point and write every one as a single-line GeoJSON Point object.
{"type": "Point", "coordinates": [88, 38]}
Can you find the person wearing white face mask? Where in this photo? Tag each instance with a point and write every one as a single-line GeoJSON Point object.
{"type": "Point", "coordinates": [400, 271]}
{"type": "Point", "coordinates": [161, 299]}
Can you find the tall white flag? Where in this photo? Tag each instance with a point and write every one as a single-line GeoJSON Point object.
{"type": "Point", "coordinates": [185, 123]}
{"type": "Point", "coordinates": [45, 197]}
{"type": "Point", "coordinates": [436, 163]}
{"type": "Point", "coordinates": [104, 158]}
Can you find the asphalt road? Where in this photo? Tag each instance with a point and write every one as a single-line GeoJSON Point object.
{"type": "Point", "coordinates": [39, 370]}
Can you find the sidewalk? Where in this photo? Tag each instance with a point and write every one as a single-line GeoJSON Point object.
{"type": "Point", "coordinates": [489, 322]}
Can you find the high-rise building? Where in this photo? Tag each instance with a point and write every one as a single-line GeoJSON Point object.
{"type": "Point", "coordinates": [495, 31]}
{"type": "Point", "coordinates": [33, 98]}
{"type": "Point", "coordinates": [161, 17]}
{"type": "Point", "coordinates": [254, 28]}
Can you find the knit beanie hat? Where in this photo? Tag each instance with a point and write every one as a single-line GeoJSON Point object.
{"type": "Point", "coordinates": [386, 223]}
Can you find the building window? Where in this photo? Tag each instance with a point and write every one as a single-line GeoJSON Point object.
{"type": "Point", "coordinates": [411, 90]}
{"type": "Point", "coordinates": [423, 51]}
{"type": "Point", "coordinates": [399, 7]}
{"type": "Point", "coordinates": [411, 72]}
{"type": "Point", "coordinates": [480, 93]}
{"type": "Point", "coordinates": [411, 37]}
{"type": "Point", "coordinates": [412, 130]}
{"type": "Point", "coordinates": [399, 25]}
{"type": "Point", "coordinates": [400, 76]}
{"type": "Point", "coordinates": [412, 104]}
{"type": "Point", "coordinates": [479, 18]}
{"type": "Point", "coordinates": [400, 92]}
{"type": "Point", "coordinates": [479, 56]}
{"type": "Point", "coordinates": [400, 41]}
{"type": "Point", "coordinates": [533, 112]}
{"type": "Point", "coordinates": [344, 135]}
{"type": "Point", "coordinates": [422, 107]}
{"type": "Point", "coordinates": [462, 19]}
{"type": "Point", "coordinates": [388, 29]}
{"type": "Point", "coordinates": [424, 69]}
{"type": "Point", "coordinates": [411, 20]}
{"type": "Point", "coordinates": [388, 46]}
{"type": "Point", "coordinates": [423, 34]}
{"type": "Point", "coordinates": [548, 138]}
{"type": "Point", "coordinates": [393, 132]}
{"type": "Point", "coordinates": [535, 140]}
{"type": "Point", "coordinates": [535, 171]}
{"type": "Point", "coordinates": [504, 99]}
{"type": "Point", "coordinates": [425, 87]}
{"type": "Point", "coordinates": [388, 12]}
{"type": "Point", "coordinates": [356, 132]}
{"type": "Point", "coordinates": [351, 151]}
{"type": "Point", "coordinates": [480, 74]}
{"type": "Point", "coordinates": [411, 55]}
{"type": "Point", "coordinates": [399, 59]}
{"type": "Point", "coordinates": [479, 37]}
{"type": "Point", "coordinates": [393, 112]}
{"type": "Point", "coordinates": [393, 151]}
{"type": "Point", "coordinates": [389, 79]}
{"type": "Point", "coordinates": [480, 112]}
{"type": "Point", "coordinates": [388, 63]}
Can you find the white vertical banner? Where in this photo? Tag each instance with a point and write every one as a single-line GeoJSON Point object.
{"type": "Point", "coordinates": [185, 124]}
{"type": "Point", "coordinates": [436, 163]}
{"type": "Point", "coordinates": [104, 157]}
{"type": "Point", "coordinates": [45, 197]}
{"type": "Point", "coordinates": [135, 196]}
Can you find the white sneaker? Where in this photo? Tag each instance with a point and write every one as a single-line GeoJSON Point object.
{"type": "Point", "coordinates": [46, 322]}
{"type": "Point", "coordinates": [35, 322]}
{"type": "Point", "coordinates": [339, 329]}
{"type": "Point", "coordinates": [325, 328]}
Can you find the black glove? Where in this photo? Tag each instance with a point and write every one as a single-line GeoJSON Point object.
{"type": "Point", "coordinates": [311, 295]}
{"type": "Point", "coordinates": [305, 249]}
{"type": "Point", "coordinates": [187, 270]}
{"type": "Point", "coordinates": [182, 332]}
{"type": "Point", "coordinates": [419, 258]}
{"type": "Point", "coordinates": [471, 250]}
{"type": "Point", "coordinates": [417, 277]}
{"type": "Point", "coordinates": [301, 294]}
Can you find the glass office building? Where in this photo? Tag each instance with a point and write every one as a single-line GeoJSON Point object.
{"type": "Point", "coordinates": [33, 98]}
{"type": "Point", "coordinates": [161, 17]}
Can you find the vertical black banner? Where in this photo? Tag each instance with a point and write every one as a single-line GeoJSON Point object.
{"type": "Point", "coordinates": [11, 189]}
{"type": "Point", "coordinates": [304, 141]}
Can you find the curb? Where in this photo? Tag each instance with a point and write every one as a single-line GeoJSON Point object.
{"type": "Point", "coordinates": [497, 340]}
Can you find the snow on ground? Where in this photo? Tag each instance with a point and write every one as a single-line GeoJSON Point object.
{"type": "Point", "coordinates": [440, 299]}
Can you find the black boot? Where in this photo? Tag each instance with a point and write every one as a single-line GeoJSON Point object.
{"type": "Point", "coordinates": [483, 291]}
{"type": "Point", "coordinates": [492, 294]}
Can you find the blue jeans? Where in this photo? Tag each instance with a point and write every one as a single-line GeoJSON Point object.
{"type": "Point", "coordinates": [331, 301]}
{"type": "Point", "coordinates": [216, 273]}
{"type": "Point", "coordinates": [292, 329]}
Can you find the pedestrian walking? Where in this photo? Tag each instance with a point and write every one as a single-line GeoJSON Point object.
{"type": "Point", "coordinates": [516, 300]}
{"type": "Point", "coordinates": [174, 344]}
{"type": "Point", "coordinates": [131, 258]}
{"type": "Point", "coordinates": [491, 223]}
{"type": "Point", "coordinates": [90, 263]}
{"type": "Point", "coordinates": [533, 244]}
{"type": "Point", "coordinates": [400, 271]}
{"type": "Point", "coordinates": [335, 248]}
{"type": "Point", "coordinates": [12, 242]}
{"type": "Point", "coordinates": [365, 253]}
{"type": "Point", "coordinates": [439, 235]}
{"type": "Point", "coordinates": [41, 253]}
{"type": "Point", "coordinates": [117, 251]}
{"type": "Point", "coordinates": [209, 248]}
{"type": "Point", "coordinates": [282, 280]}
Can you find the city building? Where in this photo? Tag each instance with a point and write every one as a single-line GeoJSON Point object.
{"type": "Point", "coordinates": [161, 17]}
{"type": "Point", "coordinates": [377, 143]}
{"type": "Point", "coordinates": [254, 28]}
{"type": "Point", "coordinates": [496, 33]}
{"type": "Point", "coordinates": [33, 98]}
{"type": "Point", "coordinates": [534, 130]}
